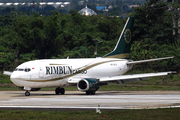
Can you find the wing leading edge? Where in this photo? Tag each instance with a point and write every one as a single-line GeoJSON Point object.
{"type": "Point", "coordinates": [149, 60]}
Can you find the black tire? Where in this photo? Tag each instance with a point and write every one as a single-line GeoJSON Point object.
{"type": "Point", "coordinates": [93, 93]}
{"type": "Point", "coordinates": [27, 93]}
{"type": "Point", "coordinates": [62, 91]}
{"type": "Point", "coordinates": [88, 93]}
{"type": "Point", "coordinates": [57, 91]}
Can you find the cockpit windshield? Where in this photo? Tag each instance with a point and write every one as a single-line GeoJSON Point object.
{"type": "Point", "coordinates": [21, 69]}
{"type": "Point", "coordinates": [27, 69]}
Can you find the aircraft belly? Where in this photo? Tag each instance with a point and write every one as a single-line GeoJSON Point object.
{"type": "Point", "coordinates": [22, 83]}
{"type": "Point", "coordinates": [41, 84]}
{"type": "Point", "coordinates": [56, 83]}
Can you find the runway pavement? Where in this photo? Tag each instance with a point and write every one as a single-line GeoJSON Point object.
{"type": "Point", "coordinates": [73, 100]}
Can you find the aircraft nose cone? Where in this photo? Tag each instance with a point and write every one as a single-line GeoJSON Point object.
{"type": "Point", "coordinates": [15, 76]}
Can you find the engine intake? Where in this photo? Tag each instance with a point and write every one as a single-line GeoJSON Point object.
{"type": "Point", "coordinates": [88, 84]}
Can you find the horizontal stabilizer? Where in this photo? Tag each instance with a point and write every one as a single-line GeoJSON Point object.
{"type": "Point", "coordinates": [135, 76]}
{"type": "Point", "coordinates": [7, 73]}
{"type": "Point", "coordinates": [149, 60]}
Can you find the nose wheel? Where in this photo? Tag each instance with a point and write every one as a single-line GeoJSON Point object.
{"type": "Point", "coordinates": [60, 91]}
{"type": "Point", "coordinates": [27, 93]}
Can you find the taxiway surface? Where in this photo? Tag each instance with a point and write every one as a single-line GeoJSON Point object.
{"type": "Point", "coordinates": [78, 100]}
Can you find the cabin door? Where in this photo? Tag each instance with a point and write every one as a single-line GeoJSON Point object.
{"type": "Point", "coordinates": [41, 72]}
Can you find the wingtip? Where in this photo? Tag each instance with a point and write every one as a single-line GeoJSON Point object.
{"type": "Point", "coordinates": [174, 72]}
{"type": "Point", "coordinates": [169, 57]}
{"type": "Point", "coordinates": [7, 73]}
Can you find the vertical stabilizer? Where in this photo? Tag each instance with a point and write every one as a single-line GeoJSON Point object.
{"type": "Point", "coordinates": [122, 48]}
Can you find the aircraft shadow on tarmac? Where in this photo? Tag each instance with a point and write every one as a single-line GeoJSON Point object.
{"type": "Point", "coordinates": [20, 94]}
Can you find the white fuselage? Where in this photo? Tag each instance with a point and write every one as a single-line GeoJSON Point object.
{"type": "Point", "coordinates": [57, 72]}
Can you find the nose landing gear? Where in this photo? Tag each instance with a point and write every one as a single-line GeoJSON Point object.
{"type": "Point", "coordinates": [27, 93]}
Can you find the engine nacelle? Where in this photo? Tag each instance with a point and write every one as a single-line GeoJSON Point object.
{"type": "Point", "coordinates": [88, 84]}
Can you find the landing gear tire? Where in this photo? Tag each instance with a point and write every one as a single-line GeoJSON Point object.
{"type": "Point", "coordinates": [57, 91]}
{"type": "Point", "coordinates": [27, 93]}
{"type": "Point", "coordinates": [60, 90]}
{"type": "Point", "coordinates": [90, 92]}
{"type": "Point", "coordinates": [93, 93]}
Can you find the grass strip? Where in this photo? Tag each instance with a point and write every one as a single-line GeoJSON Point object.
{"type": "Point", "coordinates": [142, 114]}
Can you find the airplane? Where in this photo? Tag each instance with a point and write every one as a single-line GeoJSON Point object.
{"type": "Point", "coordinates": [87, 73]}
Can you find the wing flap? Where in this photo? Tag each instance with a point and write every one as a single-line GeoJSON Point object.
{"type": "Point", "coordinates": [131, 80]}
{"type": "Point", "coordinates": [135, 76]}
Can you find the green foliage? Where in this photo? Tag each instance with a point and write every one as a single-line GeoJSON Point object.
{"type": "Point", "coordinates": [4, 79]}
{"type": "Point", "coordinates": [154, 23]}
{"type": "Point", "coordinates": [154, 34]}
{"type": "Point", "coordinates": [30, 37]}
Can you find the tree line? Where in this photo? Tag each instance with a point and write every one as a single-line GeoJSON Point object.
{"type": "Point", "coordinates": [27, 37]}
{"type": "Point", "coordinates": [31, 36]}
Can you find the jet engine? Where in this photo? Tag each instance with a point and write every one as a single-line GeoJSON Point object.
{"type": "Point", "coordinates": [88, 84]}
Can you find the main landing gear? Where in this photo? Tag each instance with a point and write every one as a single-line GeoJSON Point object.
{"type": "Point", "coordinates": [60, 91]}
{"type": "Point", "coordinates": [90, 92]}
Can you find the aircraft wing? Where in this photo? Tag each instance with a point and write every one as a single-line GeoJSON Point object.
{"type": "Point", "coordinates": [135, 77]}
{"type": "Point", "coordinates": [7, 73]}
{"type": "Point", "coordinates": [125, 78]}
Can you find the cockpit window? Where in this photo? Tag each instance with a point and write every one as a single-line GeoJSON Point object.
{"type": "Point", "coordinates": [21, 69]}
{"type": "Point", "coordinates": [27, 69]}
